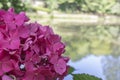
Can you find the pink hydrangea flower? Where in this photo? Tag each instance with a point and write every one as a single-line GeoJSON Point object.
{"type": "Point", "coordinates": [29, 51]}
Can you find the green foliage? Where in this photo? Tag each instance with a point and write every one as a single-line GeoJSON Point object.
{"type": "Point", "coordinates": [71, 69]}
{"type": "Point", "coordinates": [115, 8]}
{"type": "Point", "coordinates": [84, 77]}
{"type": "Point", "coordinates": [76, 6]}
{"type": "Point", "coordinates": [40, 9]}
{"type": "Point", "coordinates": [51, 4]}
{"type": "Point", "coordinates": [18, 5]}
{"type": "Point", "coordinates": [81, 76]}
{"type": "Point", "coordinates": [98, 6]}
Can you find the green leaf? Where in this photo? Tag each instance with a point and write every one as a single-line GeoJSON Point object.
{"type": "Point", "coordinates": [71, 69]}
{"type": "Point", "coordinates": [84, 77]}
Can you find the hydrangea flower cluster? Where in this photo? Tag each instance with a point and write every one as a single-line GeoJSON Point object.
{"type": "Point", "coordinates": [29, 51]}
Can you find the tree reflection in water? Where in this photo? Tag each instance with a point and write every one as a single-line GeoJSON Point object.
{"type": "Point", "coordinates": [111, 63]}
{"type": "Point", "coordinates": [111, 67]}
{"type": "Point", "coordinates": [83, 40]}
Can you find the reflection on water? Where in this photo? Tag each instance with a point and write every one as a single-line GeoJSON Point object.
{"type": "Point", "coordinates": [91, 65]}
{"type": "Point", "coordinates": [111, 67]}
{"type": "Point", "coordinates": [82, 40]}
{"type": "Point", "coordinates": [105, 67]}
{"type": "Point", "coordinates": [93, 49]}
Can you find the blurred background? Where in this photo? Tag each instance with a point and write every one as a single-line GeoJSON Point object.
{"type": "Point", "coordinates": [89, 28]}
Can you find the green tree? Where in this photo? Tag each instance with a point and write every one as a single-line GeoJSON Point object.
{"type": "Point", "coordinates": [18, 5]}
{"type": "Point", "coordinates": [97, 6]}
{"type": "Point", "coordinates": [89, 6]}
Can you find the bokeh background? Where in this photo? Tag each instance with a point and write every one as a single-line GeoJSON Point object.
{"type": "Point", "coordinates": [89, 28]}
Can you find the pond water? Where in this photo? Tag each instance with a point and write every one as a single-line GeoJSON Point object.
{"type": "Point", "coordinates": [93, 49]}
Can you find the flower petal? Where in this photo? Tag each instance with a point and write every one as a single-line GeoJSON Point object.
{"type": "Point", "coordinates": [6, 77]}
{"type": "Point", "coordinates": [60, 66]}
